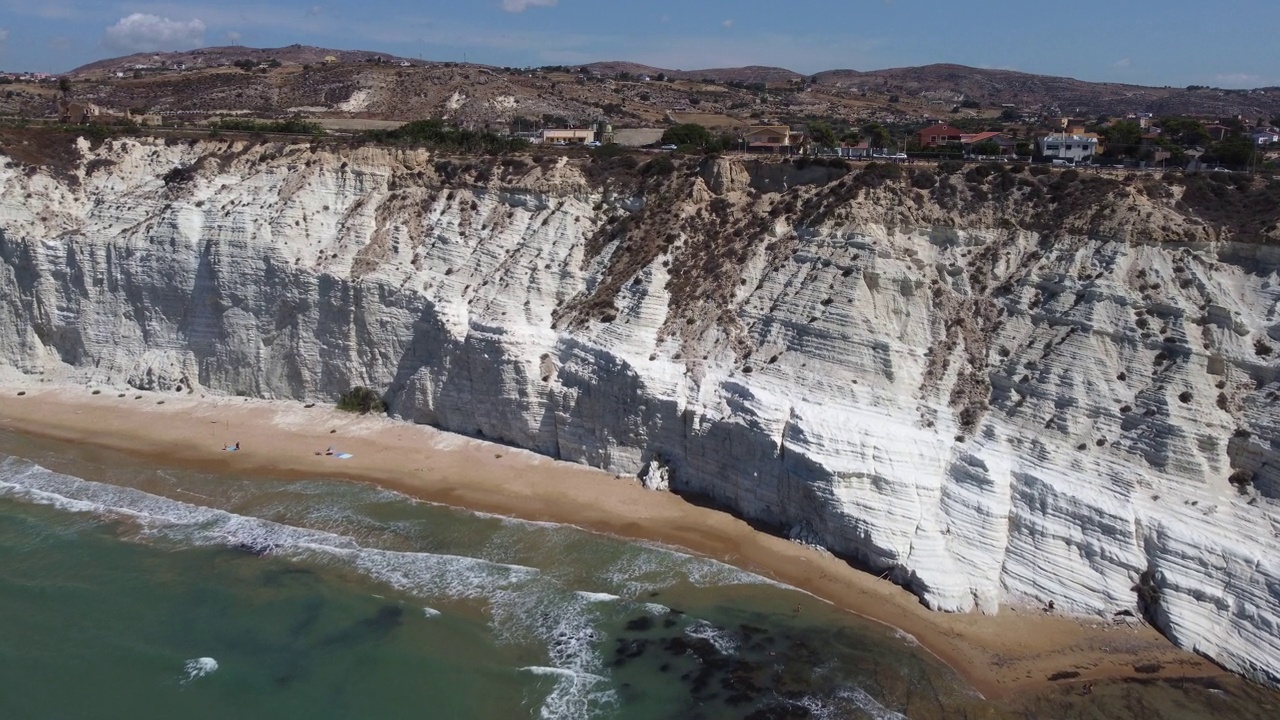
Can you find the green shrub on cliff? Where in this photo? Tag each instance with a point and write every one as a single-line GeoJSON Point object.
{"type": "Point", "coordinates": [877, 174]}
{"type": "Point", "coordinates": [950, 167]}
{"type": "Point", "coordinates": [660, 165]}
{"type": "Point", "coordinates": [293, 125]}
{"type": "Point", "coordinates": [436, 134]}
{"type": "Point", "coordinates": [923, 180]}
{"type": "Point", "coordinates": [362, 400]}
{"type": "Point", "coordinates": [179, 175]}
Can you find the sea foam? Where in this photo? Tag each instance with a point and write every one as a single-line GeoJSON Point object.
{"type": "Point", "coordinates": [160, 519]}
{"type": "Point", "coordinates": [723, 641]}
{"type": "Point", "coordinates": [526, 605]}
{"type": "Point", "coordinates": [566, 625]}
{"type": "Point", "coordinates": [197, 668]}
{"type": "Point", "coordinates": [656, 567]}
{"type": "Point", "coordinates": [847, 702]}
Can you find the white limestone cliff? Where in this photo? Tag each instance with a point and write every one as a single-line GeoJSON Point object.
{"type": "Point", "coordinates": [985, 407]}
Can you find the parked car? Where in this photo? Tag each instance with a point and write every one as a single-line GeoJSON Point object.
{"type": "Point", "coordinates": [593, 144]}
{"type": "Point", "coordinates": [668, 147]}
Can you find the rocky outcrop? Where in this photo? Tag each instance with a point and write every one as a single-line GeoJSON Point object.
{"type": "Point", "coordinates": [993, 387]}
{"type": "Point", "coordinates": [655, 475]}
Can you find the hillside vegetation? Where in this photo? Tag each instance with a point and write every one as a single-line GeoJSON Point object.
{"type": "Point", "coordinates": [368, 84]}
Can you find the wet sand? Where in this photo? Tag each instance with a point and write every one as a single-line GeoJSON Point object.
{"type": "Point", "coordinates": [1012, 654]}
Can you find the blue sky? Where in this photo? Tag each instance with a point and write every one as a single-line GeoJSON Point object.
{"type": "Point", "coordinates": [1226, 43]}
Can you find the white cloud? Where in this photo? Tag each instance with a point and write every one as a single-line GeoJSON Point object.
{"type": "Point", "coordinates": [515, 6]}
{"type": "Point", "coordinates": [4, 35]}
{"type": "Point", "coordinates": [1122, 63]}
{"type": "Point", "coordinates": [141, 32]}
{"type": "Point", "coordinates": [727, 24]}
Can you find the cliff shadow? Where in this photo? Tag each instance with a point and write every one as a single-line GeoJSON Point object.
{"type": "Point", "coordinates": [200, 324]}
{"type": "Point", "coordinates": [778, 530]}
{"type": "Point", "coordinates": [20, 258]}
{"type": "Point", "coordinates": [426, 347]}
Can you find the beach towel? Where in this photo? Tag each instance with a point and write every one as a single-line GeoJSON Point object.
{"type": "Point", "coordinates": [343, 456]}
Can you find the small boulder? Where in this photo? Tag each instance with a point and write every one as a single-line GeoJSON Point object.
{"type": "Point", "coordinates": [656, 475]}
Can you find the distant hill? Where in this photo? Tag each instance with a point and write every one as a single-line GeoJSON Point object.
{"type": "Point", "coordinates": [206, 81]}
{"type": "Point", "coordinates": [1069, 96]}
{"type": "Point", "coordinates": [750, 73]}
{"type": "Point", "coordinates": [215, 56]}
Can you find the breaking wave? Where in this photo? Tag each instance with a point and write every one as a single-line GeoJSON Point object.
{"type": "Point", "coordinates": [566, 624]}
{"type": "Point", "coordinates": [197, 668]}
{"type": "Point", "coordinates": [161, 519]}
{"type": "Point", "coordinates": [722, 640]}
{"type": "Point", "coordinates": [660, 567]}
{"type": "Point", "coordinates": [849, 702]}
{"type": "Point", "coordinates": [526, 605]}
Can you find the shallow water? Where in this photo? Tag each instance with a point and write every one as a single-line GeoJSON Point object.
{"type": "Point", "coordinates": [133, 591]}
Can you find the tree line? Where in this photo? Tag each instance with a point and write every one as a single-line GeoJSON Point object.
{"type": "Point", "coordinates": [437, 134]}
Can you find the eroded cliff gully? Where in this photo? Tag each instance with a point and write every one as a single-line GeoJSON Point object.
{"type": "Point", "coordinates": [992, 386]}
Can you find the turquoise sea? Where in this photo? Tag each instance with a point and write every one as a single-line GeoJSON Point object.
{"type": "Point", "coordinates": [130, 591]}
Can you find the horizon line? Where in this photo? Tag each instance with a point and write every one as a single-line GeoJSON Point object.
{"type": "Point", "coordinates": [656, 67]}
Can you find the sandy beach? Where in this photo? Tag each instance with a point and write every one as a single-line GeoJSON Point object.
{"type": "Point", "coordinates": [1009, 654]}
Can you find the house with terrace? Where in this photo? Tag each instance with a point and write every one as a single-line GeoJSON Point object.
{"type": "Point", "coordinates": [939, 135]}
{"type": "Point", "coordinates": [773, 138]}
{"type": "Point", "coordinates": [982, 143]}
{"type": "Point", "coordinates": [1073, 148]}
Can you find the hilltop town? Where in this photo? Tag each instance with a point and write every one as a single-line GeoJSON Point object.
{"type": "Point", "coordinates": [938, 111]}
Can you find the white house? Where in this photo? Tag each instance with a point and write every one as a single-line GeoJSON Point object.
{"type": "Point", "coordinates": [1266, 137]}
{"type": "Point", "coordinates": [861, 150]}
{"type": "Point", "coordinates": [1076, 148]}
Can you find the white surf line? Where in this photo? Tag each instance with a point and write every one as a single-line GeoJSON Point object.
{"type": "Point", "coordinates": [196, 494]}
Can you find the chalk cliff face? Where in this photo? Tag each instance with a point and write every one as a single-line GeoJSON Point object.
{"type": "Point", "coordinates": [994, 387]}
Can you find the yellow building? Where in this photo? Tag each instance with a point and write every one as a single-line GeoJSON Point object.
{"type": "Point", "coordinates": [1069, 124]}
{"type": "Point", "coordinates": [567, 137]}
{"type": "Point", "coordinates": [76, 113]}
{"type": "Point", "coordinates": [773, 138]}
{"type": "Point", "coordinates": [1102, 142]}
{"type": "Point", "coordinates": [767, 135]}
